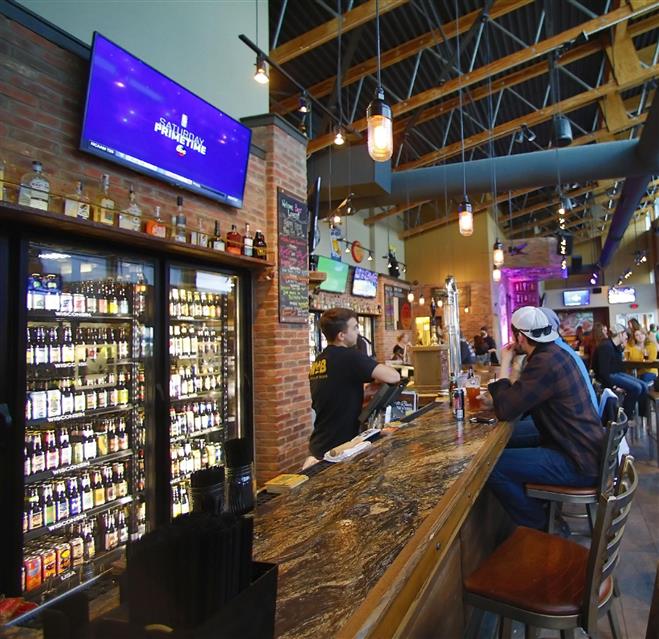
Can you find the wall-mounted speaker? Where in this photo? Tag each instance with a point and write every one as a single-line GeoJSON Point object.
{"type": "Point", "coordinates": [577, 262]}
{"type": "Point", "coordinates": [596, 290]}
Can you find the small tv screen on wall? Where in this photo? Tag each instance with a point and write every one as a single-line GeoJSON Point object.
{"type": "Point", "coordinates": [576, 298]}
{"type": "Point", "coordinates": [140, 118]}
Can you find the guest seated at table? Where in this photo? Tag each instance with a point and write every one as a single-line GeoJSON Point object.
{"type": "Point", "coordinates": [599, 334]}
{"type": "Point", "coordinates": [552, 388]}
{"type": "Point", "coordinates": [467, 354]}
{"type": "Point", "coordinates": [608, 367]}
{"type": "Point", "coordinates": [577, 343]}
{"type": "Point", "coordinates": [643, 349]}
{"type": "Point", "coordinates": [491, 346]}
{"type": "Point", "coordinates": [481, 350]}
{"type": "Point", "coordinates": [401, 347]}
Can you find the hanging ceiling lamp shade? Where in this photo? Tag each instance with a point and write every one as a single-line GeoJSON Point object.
{"type": "Point", "coordinates": [378, 113]}
{"type": "Point", "coordinates": [465, 218]}
{"type": "Point", "coordinates": [562, 131]}
{"type": "Point", "coordinates": [261, 74]}
{"type": "Point", "coordinates": [410, 297]}
{"type": "Point", "coordinates": [497, 253]}
{"type": "Point", "coordinates": [496, 274]}
{"type": "Point", "coordinates": [422, 300]}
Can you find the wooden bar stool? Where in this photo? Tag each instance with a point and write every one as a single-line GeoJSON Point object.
{"type": "Point", "coordinates": [545, 581]}
{"type": "Point", "coordinates": [589, 496]}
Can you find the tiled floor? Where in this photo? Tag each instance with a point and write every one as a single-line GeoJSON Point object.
{"type": "Point", "coordinates": [639, 552]}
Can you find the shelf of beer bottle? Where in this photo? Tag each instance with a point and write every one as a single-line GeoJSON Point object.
{"type": "Point", "coordinates": [72, 468]}
{"type": "Point", "coordinates": [197, 433]}
{"type": "Point", "coordinates": [92, 512]}
{"type": "Point", "coordinates": [87, 572]}
{"type": "Point", "coordinates": [70, 417]}
{"type": "Point", "coordinates": [195, 320]}
{"type": "Point", "coordinates": [36, 371]}
{"type": "Point", "coordinates": [200, 356]}
{"type": "Point", "coordinates": [54, 316]}
{"type": "Point", "coordinates": [202, 395]}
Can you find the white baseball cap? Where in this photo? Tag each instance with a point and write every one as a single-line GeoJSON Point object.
{"type": "Point", "coordinates": [534, 324]}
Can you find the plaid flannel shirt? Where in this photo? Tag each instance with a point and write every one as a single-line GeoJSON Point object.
{"type": "Point", "coordinates": [553, 391]}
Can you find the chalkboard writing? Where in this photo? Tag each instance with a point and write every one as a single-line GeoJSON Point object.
{"type": "Point", "coordinates": [293, 219]}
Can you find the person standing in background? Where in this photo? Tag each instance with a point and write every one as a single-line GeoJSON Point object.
{"type": "Point", "coordinates": [491, 346]}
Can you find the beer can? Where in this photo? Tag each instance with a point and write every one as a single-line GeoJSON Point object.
{"type": "Point", "coordinates": [459, 403]}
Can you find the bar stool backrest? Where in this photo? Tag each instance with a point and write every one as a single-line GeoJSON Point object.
{"type": "Point", "coordinates": [609, 471]}
{"type": "Point", "coordinates": [612, 515]}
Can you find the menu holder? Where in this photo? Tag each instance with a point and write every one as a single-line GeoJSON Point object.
{"type": "Point", "coordinates": [293, 220]}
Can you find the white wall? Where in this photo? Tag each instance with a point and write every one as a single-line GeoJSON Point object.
{"type": "Point", "coordinates": [645, 298]}
{"type": "Point", "coordinates": [195, 42]}
{"type": "Point", "coordinates": [376, 237]}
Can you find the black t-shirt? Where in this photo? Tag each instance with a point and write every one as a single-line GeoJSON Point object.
{"type": "Point", "coordinates": [337, 393]}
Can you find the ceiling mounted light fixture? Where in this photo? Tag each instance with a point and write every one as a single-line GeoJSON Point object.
{"type": "Point", "coordinates": [465, 218]}
{"type": "Point", "coordinates": [497, 253]}
{"type": "Point", "coordinates": [422, 300]}
{"type": "Point", "coordinates": [496, 274]}
{"type": "Point", "coordinates": [339, 138]}
{"type": "Point", "coordinates": [410, 297]}
{"type": "Point", "coordinates": [304, 105]}
{"type": "Point", "coordinates": [261, 74]}
{"type": "Point", "coordinates": [524, 133]}
{"type": "Point", "coordinates": [378, 113]}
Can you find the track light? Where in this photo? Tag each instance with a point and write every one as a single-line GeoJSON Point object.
{"type": "Point", "coordinates": [564, 264]}
{"type": "Point", "coordinates": [261, 75]}
{"type": "Point", "coordinates": [336, 219]}
{"type": "Point", "coordinates": [524, 133]}
{"type": "Point", "coordinates": [304, 105]}
{"type": "Point", "coordinates": [497, 253]}
{"type": "Point", "coordinates": [465, 218]}
{"type": "Point", "coordinates": [339, 138]}
{"type": "Point", "coordinates": [628, 274]}
{"type": "Point", "coordinates": [370, 257]}
{"type": "Point", "coordinates": [640, 257]}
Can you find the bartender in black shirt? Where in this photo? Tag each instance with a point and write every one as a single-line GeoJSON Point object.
{"type": "Point", "coordinates": [337, 379]}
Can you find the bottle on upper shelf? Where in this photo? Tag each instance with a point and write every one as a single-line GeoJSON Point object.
{"type": "Point", "coordinates": [131, 217]}
{"type": "Point", "coordinates": [217, 242]}
{"type": "Point", "coordinates": [104, 205]}
{"type": "Point", "coordinates": [234, 241]}
{"type": "Point", "coordinates": [77, 203]}
{"type": "Point", "coordinates": [35, 188]}
{"type": "Point", "coordinates": [180, 233]}
{"type": "Point", "coordinates": [260, 247]}
{"type": "Point", "coordinates": [248, 242]}
{"type": "Point", "coordinates": [156, 226]}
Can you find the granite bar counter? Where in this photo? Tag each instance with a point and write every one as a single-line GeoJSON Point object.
{"type": "Point", "coordinates": [372, 546]}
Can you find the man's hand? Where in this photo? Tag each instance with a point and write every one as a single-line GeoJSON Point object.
{"type": "Point", "coordinates": [507, 354]}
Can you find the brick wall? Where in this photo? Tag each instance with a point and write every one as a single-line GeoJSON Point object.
{"type": "Point", "coordinates": [282, 419]}
{"type": "Point", "coordinates": [42, 95]}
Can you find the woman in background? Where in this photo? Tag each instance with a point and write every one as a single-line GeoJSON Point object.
{"type": "Point", "coordinates": [599, 334]}
{"type": "Point", "coordinates": [642, 349]}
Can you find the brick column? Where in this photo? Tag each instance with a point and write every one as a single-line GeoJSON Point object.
{"type": "Point", "coordinates": [282, 404]}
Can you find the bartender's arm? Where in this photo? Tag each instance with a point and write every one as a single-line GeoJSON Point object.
{"type": "Point", "coordinates": [386, 374]}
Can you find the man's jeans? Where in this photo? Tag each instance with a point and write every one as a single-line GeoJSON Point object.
{"type": "Point", "coordinates": [519, 466]}
{"type": "Point", "coordinates": [525, 434]}
{"type": "Point", "coordinates": [634, 389]}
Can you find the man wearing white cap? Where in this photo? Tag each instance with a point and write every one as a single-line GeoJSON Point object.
{"type": "Point", "coordinates": [552, 389]}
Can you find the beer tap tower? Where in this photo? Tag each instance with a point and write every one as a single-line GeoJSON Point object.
{"type": "Point", "coordinates": [453, 326]}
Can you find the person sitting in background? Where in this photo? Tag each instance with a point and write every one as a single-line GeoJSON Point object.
{"type": "Point", "coordinates": [599, 334]}
{"type": "Point", "coordinates": [607, 364]}
{"type": "Point", "coordinates": [632, 327]}
{"type": "Point", "coordinates": [467, 354]}
{"type": "Point", "coordinates": [552, 388]}
{"type": "Point", "coordinates": [491, 346]}
{"type": "Point", "coordinates": [642, 349]}
{"type": "Point", "coordinates": [481, 350]}
{"type": "Point", "coordinates": [401, 346]}
{"type": "Point", "coordinates": [654, 331]}
{"type": "Point", "coordinates": [577, 344]}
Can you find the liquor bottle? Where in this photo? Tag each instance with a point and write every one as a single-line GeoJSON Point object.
{"type": "Point", "coordinates": [260, 247]}
{"type": "Point", "coordinates": [248, 242]}
{"type": "Point", "coordinates": [202, 237]}
{"type": "Point", "coordinates": [217, 242]}
{"type": "Point", "coordinates": [104, 204]}
{"type": "Point", "coordinates": [156, 226]}
{"type": "Point", "coordinates": [180, 234]}
{"type": "Point", "coordinates": [35, 188]}
{"type": "Point", "coordinates": [77, 203]}
{"type": "Point", "coordinates": [234, 241]}
{"type": "Point", "coordinates": [131, 217]}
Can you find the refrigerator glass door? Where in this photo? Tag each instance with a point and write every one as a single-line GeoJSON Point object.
{"type": "Point", "coordinates": [204, 375]}
{"type": "Point", "coordinates": [89, 372]}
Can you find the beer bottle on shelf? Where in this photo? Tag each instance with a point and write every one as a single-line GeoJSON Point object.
{"type": "Point", "coordinates": [61, 502]}
{"type": "Point", "coordinates": [64, 447]}
{"type": "Point", "coordinates": [49, 510]}
{"type": "Point", "coordinates": [260, 247]}
{"type": "Point", "coordinates": [99, 489]}
{"type": "Point", "coordinates": [87, 494]}
{"type": "Point", "coordinates": [75, 502]}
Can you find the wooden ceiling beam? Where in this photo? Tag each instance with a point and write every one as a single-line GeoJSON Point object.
{"type": "Point", "coordinates": [399, 53]}
{"type": "Point", "coordinates": [329, 30]}
{"type": "Point", "coordinates": [506, 63]}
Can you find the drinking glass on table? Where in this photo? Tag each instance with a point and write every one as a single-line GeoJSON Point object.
{"type": "Point", "coordinates": [473, 386]}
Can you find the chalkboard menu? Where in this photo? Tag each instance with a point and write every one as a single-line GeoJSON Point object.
{"type": "Point", "coordinates": [293, 220]}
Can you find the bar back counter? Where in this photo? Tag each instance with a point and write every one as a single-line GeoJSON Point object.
{"type": "Point", "coordinates": [376, 546]}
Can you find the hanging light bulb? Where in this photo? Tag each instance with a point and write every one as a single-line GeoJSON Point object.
{"type": "Point", "coordinates": [403, 268]}
{"type": "Point", "coordinates": [497, 253]}
{"type": "Point", "coordinates": [380, 131]}
{"type": "Point", "coordinates": [347, 247]}
{"type": "Point", "coordinates": [339, 138]}
{"type": "Point", "coordinates": [465, 218]}
{"type": "Point", "coordinates": [440, 303]}
{"type": "Point", "coordinates": [370, 257]}
{"type": "Point", "coordinates": [410, 297]}
{"type": "Point", "coordinates": [261, 75]}
{"type": "Point", "coordinates": [422, 300]}
{"type": "Point", "coordinates": [466, 309]}
{"type": "Point", "coordinates": [304, 103]}
{"type": "Point", "coordinates": [336, 219]}
{"type": "Point", "coordinates": [496, 273]}
{"type": "Point", "coordinates": [564, 264]}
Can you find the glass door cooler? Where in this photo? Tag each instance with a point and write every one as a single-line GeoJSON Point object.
{"type": "Point", "coordinates": [89, 371]}
{"type": "Point", "coordinates": [204, 375]}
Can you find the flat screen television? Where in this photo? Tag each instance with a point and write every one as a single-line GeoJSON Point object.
{"type": "Point", "coordinates": [138, 117]}
{"type": "Point", "coordinates": [364, 283]}
{"type": "Point", "coordinates": [576, 298]}
{"type": "Point", "coordinates": [625, 295]}
{"type": "Point", "coordinates": [337, 275]}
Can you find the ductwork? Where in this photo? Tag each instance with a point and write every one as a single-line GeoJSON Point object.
{"type": "Point", "coordinates": [647, 154]}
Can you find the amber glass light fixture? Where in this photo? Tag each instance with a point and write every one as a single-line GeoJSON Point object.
{"type": "Point", "coordinates": [496, 273]}
{"type": "Point", "coordinates": [339, 138]}
{"type": "Point", "coordinates": [465, 218]}
{"type": "Point", "coordinates": [422, 300]}
{"type": "Point", "coordinates": [497, 253]}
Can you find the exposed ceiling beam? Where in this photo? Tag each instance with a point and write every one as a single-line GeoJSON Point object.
{"type": "Point", "coordinates": [399, 53]}
{"type": "Point", "coordinates": [329, 30]}
{"type": "Point", "coordinates": [498, 66]}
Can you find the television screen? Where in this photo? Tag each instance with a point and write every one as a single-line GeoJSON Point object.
{"type": "Point", "coordinates": [139, 118]}
{"type": "Point", "coordinates": [622, 295]}
{"type": "Point", "coordinates": [576, 298]}
{"type": "Point", "coordinates": [337, 275]}
{"type": "Point", "coordinates": [364, 283]}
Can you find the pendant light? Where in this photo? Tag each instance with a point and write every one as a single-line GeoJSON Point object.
{"type": "Point", "coordinates": [378, 113]}
{"type": "Point", "coordinates": [261, 74]}
{"type": "Point", "coordinates": [410, 297]}
{"type": "Point", "coordinates": [497, 253]}
{"type": "Point", "coordinates": [339, 138]}
{"type": "Point", "coordinates": [422, 300]}
{"type": "Point", "coordinates": [465, 211]}
{"type": "Point", "coordinates": [496, 273]}
{"type": "Point", "coordinates": [465, 217]}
